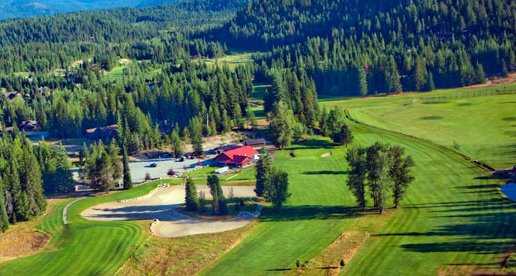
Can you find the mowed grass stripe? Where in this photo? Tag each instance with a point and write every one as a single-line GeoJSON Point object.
{"type": "Point", "coordinates": [84, 247]}
{"type": "Point", "coordinates": [435, 228]}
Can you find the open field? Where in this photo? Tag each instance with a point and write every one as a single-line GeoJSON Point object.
{"type": "Point", "coordinates": [452, 221]}
{"type": "Point", "coordinates": [231, 61]}
{"type": "Point", "coordinates": [480, 122]}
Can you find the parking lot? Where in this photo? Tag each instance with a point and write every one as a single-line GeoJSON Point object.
{"type": "Point", "coordinates": [140, 169]}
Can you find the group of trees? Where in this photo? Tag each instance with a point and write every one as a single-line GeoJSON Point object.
{"type": "Point", "coordinates": [102, 166]}
{"type": "Point", "coordinates": [271, 183]}
{"type": "Point", "coordinates": [333, 124]}
{"type": "Point", "coordinates": [21, 183]}
{"type": "Point", "coordinates": [195, 100]}
{"type": "Point", "coordinates": [55, 168]}
{"type": "Point", "coordinates": [193, 203]}
{"type": "Point", "coordinates": [379, 169]}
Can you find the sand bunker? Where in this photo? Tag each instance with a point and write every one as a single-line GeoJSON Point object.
{"type": "Point", "coordinates": [161, 205]}
{"type": "Point", "coordinates": [509, 190]}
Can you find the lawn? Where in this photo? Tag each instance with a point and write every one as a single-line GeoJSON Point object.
{"type": "Point", "coordinates": [451, 221]}
{"type": "Point", "coordinates": [480, 123]}
{"type": "Point", "coordinates": [83, 247]}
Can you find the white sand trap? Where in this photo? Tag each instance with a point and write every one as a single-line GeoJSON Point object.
{"type": "Point", "coordinates": [161, 205]}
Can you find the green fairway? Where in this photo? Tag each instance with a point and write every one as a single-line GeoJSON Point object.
{"type": "Point", "coordinates": [451, 220]}
{"type": "Point", "coordinates": [480, 123]}
{"type": "Point", "coordinates": [83, 247]}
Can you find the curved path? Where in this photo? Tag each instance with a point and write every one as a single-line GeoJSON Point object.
{"type": "Point", "coordinates": [161, 205]}
{"type": "Point", "coordinates": [65, 209]}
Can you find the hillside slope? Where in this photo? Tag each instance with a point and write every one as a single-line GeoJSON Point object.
{"type": "Point", "coordinates": [28, 8]}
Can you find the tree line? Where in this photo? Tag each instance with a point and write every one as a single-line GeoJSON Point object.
{"type": "Point", "coordinates": [21, 181]}
{"type": "Point", "coordinates": [369, 47]}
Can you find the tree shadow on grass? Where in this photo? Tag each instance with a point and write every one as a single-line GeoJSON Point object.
{"type": "Point", "coordinates": [313, 143]}
{"type": "Point", "coordinates": [482, 226]}
{"type": "Point", "coordinates": [327, 172]}
{"type": "Point", "coordinates": [310, 212]}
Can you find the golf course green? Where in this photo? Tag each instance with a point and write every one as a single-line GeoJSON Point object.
{"type": "Point", "coordinates": [83, 247]}
{"type": "Point", "coordinates": [478, 122]}
{"type": "Point", "coordinates": [453, 220]}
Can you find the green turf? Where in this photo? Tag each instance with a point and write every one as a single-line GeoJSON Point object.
{"type": "Point", "coordinates": [448, 218]}
{"type": "Point", "coordinates": [480, 123]}
{"type": "Point", "coordinates": [83, 247]}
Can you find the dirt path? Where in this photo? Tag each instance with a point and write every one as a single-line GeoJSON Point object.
{"type": "Point", "coordinates": [161, 205]}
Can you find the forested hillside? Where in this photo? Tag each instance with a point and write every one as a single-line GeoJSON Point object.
{"type": "Point", "coordinates": [365, 47]}
{"type": "Point", "coordinates": [28, 8]}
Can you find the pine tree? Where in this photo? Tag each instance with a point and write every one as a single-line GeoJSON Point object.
{"type": "Point", "coordinates": [218, 199]}
{"type": "Point", "coordinates": [263, 169]}
{"type": "Point", "coordinates": [196, 136]}
{"type": "Point", "coordinates": [176, 144]}
{"type": "Point", "coordinates": [342, 135]}
{"type": "Point", "coordinates": [116, 164]}
{"type": "Point", "coordinates": [399, 172]}
{"type": "Point", "coordinates": [377, 168]}
{"type": "Point", "coordinates": [362, 81]}
{"type": "Point", "coordinates": [4, 219]}
{"type": "Point", "coordinates": [191, 197]}
{"type": "Point", "coordinates": [281, 125]}
{"type": "Point", "coordinates": [277, 188]}
{"type": "Point", "coordinates": [356, 158]}
{"type": "Point", "coordinates": [127, 181]}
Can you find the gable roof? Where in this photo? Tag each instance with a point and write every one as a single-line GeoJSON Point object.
{"type": "Point", "coordinates": [237, 156]}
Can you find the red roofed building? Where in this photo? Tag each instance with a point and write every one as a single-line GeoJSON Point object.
{"type": "Point", "coordinates": [237, 157]}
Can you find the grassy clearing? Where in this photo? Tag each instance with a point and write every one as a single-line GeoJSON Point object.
{"type": "Point", "coordinates": [450, 219]}
{"type": "Point", "coordinates": [115, 74]}
{"type": "Point", "coordinates": [231, 61]}
{"type": "Point", "coordinates": [480, 123]}
{"type": "Point", "coordinates": [245, 176]}
{"type": "Point", "coordinates": [83, 247]}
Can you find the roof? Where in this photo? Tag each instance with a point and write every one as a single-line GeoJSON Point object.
{"type": "Point", "coordinates": [237, 156]}
{"type": "Point", "coordinates": [252, 142]}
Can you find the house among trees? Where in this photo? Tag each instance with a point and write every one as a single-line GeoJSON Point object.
{"type": "Point", "coordinates": [102, 133]}
{"type": "Point", "coordinates": [237, 157]}
{"type": "Point", "coordinates": [12, 95]}
{"type": "Point", "coordinates": [30, 126]}
{"type": "Point", "coordinates": [256, 143]}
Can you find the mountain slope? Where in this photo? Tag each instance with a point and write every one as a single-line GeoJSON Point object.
{"type": "Point", "coordinates": [28, 8]}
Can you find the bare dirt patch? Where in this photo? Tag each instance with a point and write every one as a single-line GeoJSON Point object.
{"type": "Point", "coordinates": [181, 256]}
{"type": "Point", "coordinates": [343, 248]}
{"type": "Point", "coordinates": [23, 239]}
{"type": "Point", "coordinates": [511, 78]}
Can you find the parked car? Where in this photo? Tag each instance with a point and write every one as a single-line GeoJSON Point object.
{"type": "Point", "coordinates": [152, 165]}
